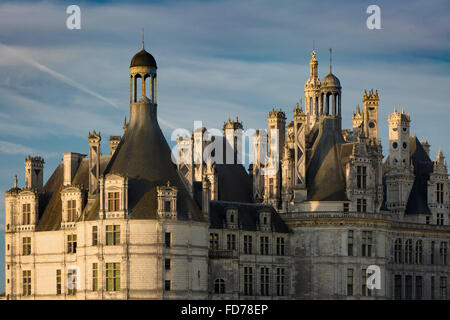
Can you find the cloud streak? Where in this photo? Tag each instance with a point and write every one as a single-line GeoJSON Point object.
{"type": "Point", "coordinates": [55, 74]}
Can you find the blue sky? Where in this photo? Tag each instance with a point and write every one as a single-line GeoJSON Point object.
{"type": "Point", "coordinates": [215, 59]}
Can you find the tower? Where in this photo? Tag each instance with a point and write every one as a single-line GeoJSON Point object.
{"type": "Point", "coordinates": [34, 172]}
{"type": "Point", "coordinates": [399, 175]}
{"type": "Point", "coordinates": [233, 139]}
{"type": "Point", "coordinates": [330, 95]}
{"type": "Point", "coordinates": [94, 161]}
{"type": "Point", "coordinates": [399, 148]}
{"type": "Point", "coordinates": [312, 91]}
{"type": "Point", "coordinates": [272, 179]}
{"type": "Point", "coordinates": [370, 113]}
{"type": "Point", "coordinates": [300, 122]}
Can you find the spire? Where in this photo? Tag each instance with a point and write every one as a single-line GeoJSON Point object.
{"type": "Point", "coordinates": [142, 38]}
{"type": "Point", "coordinates": [395, 109]}
{"type": "Point", "coordinates": [331, 51]}
{"type": "Point", "coordinates": [15, 181]}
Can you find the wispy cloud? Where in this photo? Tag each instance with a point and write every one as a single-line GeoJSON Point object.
{"type": "Point", "coordinates": [10, 148]}
{"type": "Point", "coordinates": [16, 53]}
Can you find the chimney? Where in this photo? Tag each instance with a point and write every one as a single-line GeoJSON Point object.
{"type": "Point", "coordinates": [71, 163]}
{"type": "Point", "coordinates": [34, 172]}
{"type": "Point", "coordinates": [205, 197]}
{"type": "Point", "coordinates": [113, 143]}
{"type": "Point", "coordinates": [426, 146]}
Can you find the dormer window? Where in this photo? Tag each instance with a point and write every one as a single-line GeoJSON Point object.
{"type": "Point", "coordinates": [265, 221]}
{"type": "Point", "coordinates": [26, 214]}
{"type": "Point", "coordinates": [167, 201]}
{"type": "Point", "coordinates": [113, 201]}
{"type": "Point", "coordinates": [114, 191]}
{"type": "Point", "coordinates": [232, 218]}
{"type": "Point", "coordinates": [72, 199]}
{"type": "Point", "coordinates": [72, 210]}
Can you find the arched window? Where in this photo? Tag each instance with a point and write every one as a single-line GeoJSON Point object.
{"type": "Point", "coordinates": [137, 87]}
{"type": "Point", "coordinates": [219, 286]}
{"type": "Point", "coordinates": [408, 251]}
{"type": "Point", "coordinates": [398, 251]}
{"type": "Point", "coordinates": [419, 252]}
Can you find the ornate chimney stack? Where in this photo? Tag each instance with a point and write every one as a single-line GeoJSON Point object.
{"type": "Point", "coordinates": [94, 161]}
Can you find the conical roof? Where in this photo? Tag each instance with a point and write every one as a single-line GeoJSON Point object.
{"type": "Point", "coordinates": [145, 157]}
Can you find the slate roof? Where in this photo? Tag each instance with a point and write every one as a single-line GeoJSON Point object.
{"type": "Point", "coordinates": [50, 206]}
{"type": "Point", "coordinates": [423, 167]}
{"type": "Point", "coordinates": [325, 179]}
{"type": "Point", "coordinates": [145, 157]}
{"type": "Point", "coordinates": [248, 216]}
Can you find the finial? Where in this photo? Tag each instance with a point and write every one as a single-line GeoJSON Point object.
{"type": "Point", "coordinates": [403, 110]}
{"type": "Point", "coordinates": [142, 38]}
{"type": "Point", "coordinates": [15, 181]}
{"type": "Point", "coordinates": [395, 109]}
{"type": "Point", "coordinates": [331, 50]}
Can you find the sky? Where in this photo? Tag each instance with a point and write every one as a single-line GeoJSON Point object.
{"type": "Point", "coordinates": [215, 59]}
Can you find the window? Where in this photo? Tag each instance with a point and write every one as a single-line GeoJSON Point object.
{"type": "Point", "coordinates": [440, 193]}
{"type": "Point", "coordinates": [26, 246]}
{"type": "Point", "coordinates": [58, 281]}
{"type": "Point", "coordinates": [231, 242]}
{"type": "Point", "coordinates": [214, 241]}
{"type": "Point", "coordinates": [248, 244]}
{"type": "Point", "coordinates": [26, 213]}
{"type": "Point", "coordinates": [72, 282]}
{"type": "Point", "coordinates": [361, 205]}
{"type": "Point", "coordinates": [232, 218]}
{"type": "Point", "coordinates": [432, 252]}
{"type": "Point", "coordinates": [419, 285]}
{"type": "Point", "coordinates": [361, 177]}
{"type": "Point", "coordinates": [280, 281]}
{"type": "Point", "coordinates": [398, 287]}
{"type": "Point", "coordinates": [408, 251]}
{"type": "Point", "coordinates": [248, 281]}
{"type": "Point", "coordinates": [408, 287]}
{"type": "Point", "coordinates": [112, 235]}
{"type": "Point", "coordinates": [26, 282]}
{"type": "Point", "coordinates": [72, 243]}
{"type": "Point", "coordinates": [112, 276]}
{"type": "Point", "coordinates": [94, 276]}
{"type": "Point", "coordinates": [71, 210]}
{"type": "Point", "coordinates": [167, 285]}
{"type": "Point", "coordinates": [346, 207]}
{"type": "Point", "coordinates": [419, 252]}
{"type": "Point", "coordinates": [219, 286]}
{"type": "Point", "coordinates": [443, 288]}
{"type": "Point", "coordinates": [427, 219]}
{"type": "Point", "coordinates": [94, 235]}
{"type": "Point", "coordinates": [367, 243]}
{"type": "Point", "coordinates": [365, 292]}
{"type": "Point", "coordinates": [440, 219]}
{"type": "Point", "coordinates": [443, 253]}
{"type": "Point", "coordinates": [349, 282]}
{"type": "Point", "coordinates": [167, 239]}
{"type": "Point", "coordinates": [265, 281]}
{"type": "Point", "coordinates": [398, 251]}
{"type": "Point", "coordinates": [432, 287]}
{"type": "Point", "coordinates": [167, 206]}
{"type": "Point", "coordinates": [350, 243]}
{"type": "Point", "coordinates": [264, 245]}
{"type": "Point", "coordinates": [280, 246]}
{"type": "Point", "coordinates": [167, 264]}
{"type": "Point", "coordinates": [113, 201]}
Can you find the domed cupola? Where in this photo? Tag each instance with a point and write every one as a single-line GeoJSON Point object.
{"type": "Point", "coordinates": [330, 88]}
{"type": "Point", "coordinates": [143, 78]}
{"type": "Point", "coordinates": [143, 59]}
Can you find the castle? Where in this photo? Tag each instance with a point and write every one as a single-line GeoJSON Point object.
{"type": "Point", "coordinates": [315, 210]}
